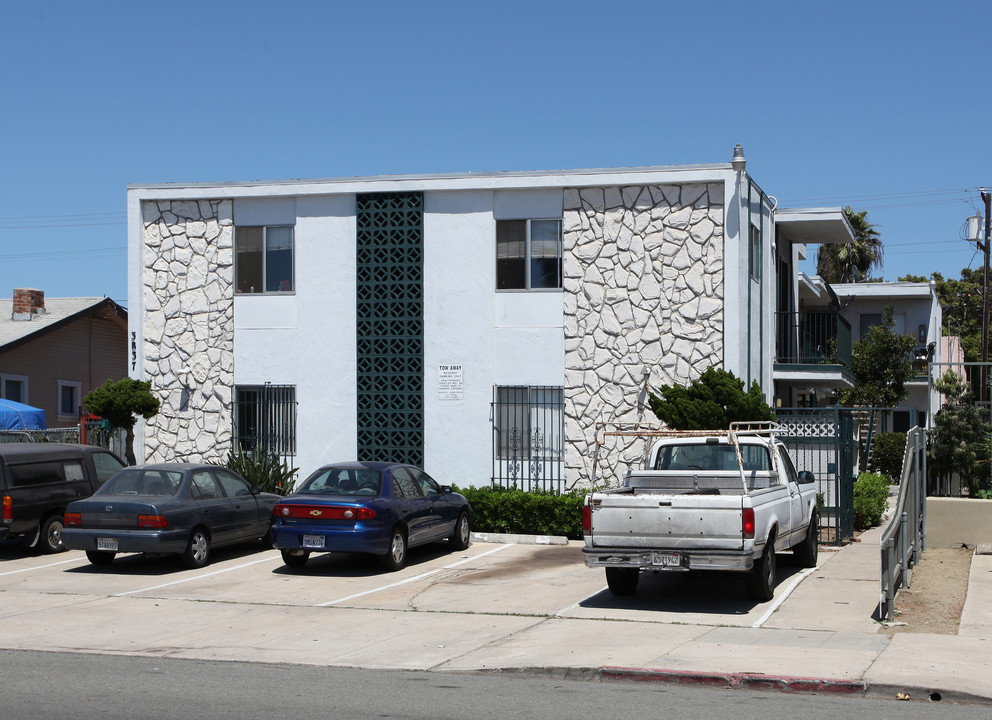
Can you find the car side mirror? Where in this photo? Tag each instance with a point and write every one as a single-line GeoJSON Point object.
{"type": "Point", "coordinates": [255, 489]}
{"type": "Point", "coordinates": [446, 489]}
{"type": "Point", "coordinates": [806, 477]}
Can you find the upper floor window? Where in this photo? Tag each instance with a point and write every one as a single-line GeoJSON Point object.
{"type": "Point", "coordinates": [754, 253]}
{"type": "Point", "coordinates": [264, 259]}
{"type": "Point", "coordinates": [528, 254]}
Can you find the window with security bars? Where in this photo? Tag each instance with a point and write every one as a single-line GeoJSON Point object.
{"type": "Point", "coordinates": [528, 254]}
{"type": "Point", "coordinates": [528, 432]}
{"type": "Point", "coordinates": [265, 419]}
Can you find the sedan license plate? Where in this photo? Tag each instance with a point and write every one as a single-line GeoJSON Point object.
{"type": "Point", "coordinates": [108, 544]}
{"type": "Point", "coordinates": [664, 559]}
{"type": "Point", "coordinates": [313, 541]}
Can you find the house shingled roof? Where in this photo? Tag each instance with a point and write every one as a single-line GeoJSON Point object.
{"type": "Point", "coordinates": [57, 312]}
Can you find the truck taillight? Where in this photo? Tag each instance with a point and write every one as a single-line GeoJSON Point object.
{"type": "Point", "coordinates": [8, 509]}
{"type": "Point", "coordinates": [586, 519]}
{"type": "Point", "coordinates": [748, 523]}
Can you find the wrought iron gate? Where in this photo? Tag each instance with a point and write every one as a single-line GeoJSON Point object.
{"type": "Point", "coordinates": [822, 440]}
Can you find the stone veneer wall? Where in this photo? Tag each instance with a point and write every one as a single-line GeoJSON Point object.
{"type": "Point", "coordinates": [189, 327]}
{"type": "Point", "coordinates": [643, 289]}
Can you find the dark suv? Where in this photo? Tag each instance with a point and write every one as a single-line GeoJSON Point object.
{"type": "Point", "coordinates": [37, 481]}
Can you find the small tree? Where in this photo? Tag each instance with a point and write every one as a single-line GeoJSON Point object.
{"type": "Point", "coordinates": [121, 403]}
{"type": "Point", "coordinates": [712, 402]}
{"type": "Point", "coordinates": [958, 440]}
{"type": "Point", "coordinates": [882, 363]}
{"type": "Point", "coordinates": [887, 453]}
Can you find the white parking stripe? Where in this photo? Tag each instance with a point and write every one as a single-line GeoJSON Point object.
{"type": "Point", "coordinates": [785, 594]}
{"type": "Point", "coordinates": [41, 567]}
{"type": "Point", "coordinates": [417, 577]}
{"type": "Point", "coordinates": [198, 577]}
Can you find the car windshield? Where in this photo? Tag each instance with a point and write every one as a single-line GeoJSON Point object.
{"type": "Point", "coordinates": [343, 481]}
{"type": "Point", "coordinates": [137, 481]}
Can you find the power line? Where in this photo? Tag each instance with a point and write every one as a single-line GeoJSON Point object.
{"type": "Point", "coordinates": [61, 253]}
{"type": "Point", "coordinates": [61, 225]}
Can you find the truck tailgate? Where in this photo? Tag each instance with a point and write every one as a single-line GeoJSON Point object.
{"type": "Point", "coordinates": [676, 522]}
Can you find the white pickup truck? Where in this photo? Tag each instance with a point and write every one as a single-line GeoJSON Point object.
{"type": "Point", "coordinates": [708, 500]}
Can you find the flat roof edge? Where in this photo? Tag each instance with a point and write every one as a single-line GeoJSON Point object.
{"type": "Point", "coordinates": [436, 177]}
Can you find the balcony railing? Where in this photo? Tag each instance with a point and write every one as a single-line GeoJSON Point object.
{"type": "Point", "coordinates": [813, 338]}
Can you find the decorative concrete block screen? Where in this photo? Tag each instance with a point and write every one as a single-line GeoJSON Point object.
{"type": "Point", "coordinates": [644, 292]}
{"type": "Point", "coordinates": [390, 327]}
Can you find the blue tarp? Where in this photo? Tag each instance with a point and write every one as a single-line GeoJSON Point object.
{"type": "Point", "coordinates": [16, 416]}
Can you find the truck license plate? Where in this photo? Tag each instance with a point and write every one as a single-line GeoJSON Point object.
{"type": "Point", "coordinates": [664, 559]}
{"type": "Point", "coordinates": [313, 541]}
{"type": "Point", "coordinates": [109, 544]}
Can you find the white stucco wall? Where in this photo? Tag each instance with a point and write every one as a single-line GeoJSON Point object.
{"type": "Point", "coordinates": [306, 339]}
{"type": "Point", "coordinates": [496, 338]}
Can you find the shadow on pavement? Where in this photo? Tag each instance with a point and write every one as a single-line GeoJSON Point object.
{"type": "Point", "coordinates": [704, 592]}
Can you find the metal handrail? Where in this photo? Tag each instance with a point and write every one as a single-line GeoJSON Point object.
{"type": "Point", "coordinates": [905, 537]}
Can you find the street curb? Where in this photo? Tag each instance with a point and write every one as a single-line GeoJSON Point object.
{"type": "Point", "coordinates": [743, 681]}
{"type": "Point", "coordinates": [509, 538]}
{"type": "Point", "coordinates": [789, 684]}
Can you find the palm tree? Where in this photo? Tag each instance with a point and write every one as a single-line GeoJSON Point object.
{"type": "Point", "coordinates": [851, 261]}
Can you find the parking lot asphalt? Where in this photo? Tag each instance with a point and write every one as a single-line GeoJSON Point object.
{"type": "Point", "coordinates": [521, 606]}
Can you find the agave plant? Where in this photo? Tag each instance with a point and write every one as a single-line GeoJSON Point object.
{"type": "Point", "coordinates": [266, 470]}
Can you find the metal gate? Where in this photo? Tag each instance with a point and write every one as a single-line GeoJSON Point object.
{"type": "Point", "coordinates": [822, 440]}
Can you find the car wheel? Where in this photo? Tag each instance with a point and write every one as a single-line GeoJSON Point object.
{"type": "Point", "coordinates": [761, 579]}
{"type": "Point", "coordinates": [295, 561]}
{"type": "Point", "coordinates": [622, 581]}
{"type": "Point", "coordinates": [197, 549]}
{"type": "Point", "coordinates": [50, 538]}
{"type": "Point", "coordinates": [100, 557]}
{"type": "Point", "coordinates": [395, 558]}
{"type": "Point", "coordinates": [806, 553]}
{"type": "Point", "coordinates": [463, 533]}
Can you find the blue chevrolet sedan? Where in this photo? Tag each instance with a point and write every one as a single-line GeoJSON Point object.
{"type": "Point", "coordinates": [180, 508]}
{"type": "Point", "coordinates": [382, 509]}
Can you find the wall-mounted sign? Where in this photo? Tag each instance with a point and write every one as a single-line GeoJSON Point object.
{"type": "Point", "coordinates": [450, 382]}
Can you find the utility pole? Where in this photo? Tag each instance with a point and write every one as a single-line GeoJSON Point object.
{"type": "Point", "coordinates": [983, 393]}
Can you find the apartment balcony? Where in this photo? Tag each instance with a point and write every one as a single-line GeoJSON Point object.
{"type": "Point", "coordinates": [813, 349]}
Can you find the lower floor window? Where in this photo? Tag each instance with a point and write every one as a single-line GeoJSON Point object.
{"type": "Point", "coordinates": [14, 387]}
{"type": "Point", "coordinates": [69, 399]}
{"type": "Point", "coordinates": [528, 432]}
{"type": "Point", "coordinates": [265, 419]}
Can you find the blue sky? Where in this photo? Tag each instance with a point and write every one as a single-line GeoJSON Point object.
{"type": "Point", "coordinates": [881, 105]}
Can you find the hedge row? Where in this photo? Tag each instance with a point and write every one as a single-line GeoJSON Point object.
{"type": "Point", "coordinates": [504, 510]}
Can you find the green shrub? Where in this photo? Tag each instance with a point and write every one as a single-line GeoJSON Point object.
{"type": "Point", "coordinates": [505, 510]}
{"type": "Point", "coordinates": [871, 494]}
{"type": "Point", "coordinates": [887, 450]}
{"type": "Point", "coordinates": [260, 468]}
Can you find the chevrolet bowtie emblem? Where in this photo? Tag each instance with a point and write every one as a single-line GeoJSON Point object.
{"type": "Point", "coordinates": [316, 513]}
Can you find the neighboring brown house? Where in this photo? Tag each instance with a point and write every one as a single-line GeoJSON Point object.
{"type": "Point", "coordinates": [54, 351]}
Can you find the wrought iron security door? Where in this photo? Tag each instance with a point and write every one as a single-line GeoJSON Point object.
{"type": "Point", "coordinates": [822, 440]}
{"type": "Point", "coordinates": [390, 327]}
